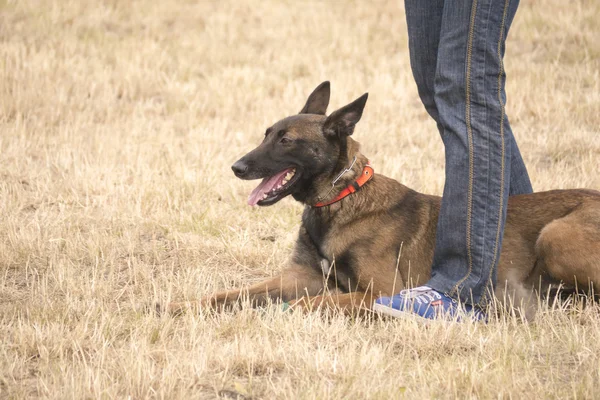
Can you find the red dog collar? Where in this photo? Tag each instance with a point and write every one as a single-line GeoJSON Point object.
{"type": "Point", "coordinates": [366, 175]}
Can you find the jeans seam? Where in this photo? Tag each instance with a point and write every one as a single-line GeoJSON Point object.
{"type": "Point", "coordinates": [502, 114]}
{"type": "Point", "coordinates": [470, 140]}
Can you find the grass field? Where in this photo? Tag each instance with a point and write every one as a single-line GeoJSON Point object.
{"type": "Point", "coordinates": [119, 121]}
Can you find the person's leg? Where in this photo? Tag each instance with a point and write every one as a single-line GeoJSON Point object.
{"type": "Point", "coordinates": [469, 95]}
{"type": "Point", "coordinates": [424, 22]}
{"type": "Point", "coordinates": [481, 152]}
{"type": "Point", "coordinates": [519, 177]}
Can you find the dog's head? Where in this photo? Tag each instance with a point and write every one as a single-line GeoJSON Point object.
{"type": "Point", "coordinates": [302, 151]}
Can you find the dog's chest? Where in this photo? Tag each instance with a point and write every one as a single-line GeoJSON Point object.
{"type": "Point", "coordinates": [325, 266]}
{"type": "Point", "coordinates": [336, 259]}
{"type": "Point", "coordinates": [319, 233]}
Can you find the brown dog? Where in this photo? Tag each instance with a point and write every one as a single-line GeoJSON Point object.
{"type": "Point", "coordinates": [380, 237]}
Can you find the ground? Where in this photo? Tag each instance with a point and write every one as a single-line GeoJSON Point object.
{"type": "Point", "coordinates": [119, 121]}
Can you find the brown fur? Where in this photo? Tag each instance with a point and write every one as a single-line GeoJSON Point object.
{"type": "Point", "coordinates": [381, 239]}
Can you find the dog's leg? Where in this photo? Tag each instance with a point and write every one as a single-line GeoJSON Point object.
{"type": "Point", "coordinates": [355, 303]}
{"type": "Point", "coordinates": [569, 248]}
{"type": "Point", "coordinates": [293, 282]}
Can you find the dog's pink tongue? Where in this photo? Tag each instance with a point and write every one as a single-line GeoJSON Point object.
{"type": "Point", "coordinates": [266, 186]}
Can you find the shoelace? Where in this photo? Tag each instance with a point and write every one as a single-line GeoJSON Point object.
{"type": "Point", "coordinates": [421, 294]}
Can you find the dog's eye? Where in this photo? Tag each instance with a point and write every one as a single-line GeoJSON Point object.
{"type": "Point", "coordinates": [285, 140]}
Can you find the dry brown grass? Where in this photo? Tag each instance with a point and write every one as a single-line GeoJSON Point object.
{"type": "Point", "coordinates": [118, 123]}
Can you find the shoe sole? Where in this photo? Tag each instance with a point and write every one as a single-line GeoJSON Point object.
{"type": "Point", "coordinates": [383, 309]}
{"type": "Point", "coordinates": [392, 312]}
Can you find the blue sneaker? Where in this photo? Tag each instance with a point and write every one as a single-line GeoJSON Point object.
{"type": "Point", "coordinates": [427, 303]}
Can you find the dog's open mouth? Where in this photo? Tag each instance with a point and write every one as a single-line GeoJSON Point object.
{"type": "Point", "coordinates": [274, 188]}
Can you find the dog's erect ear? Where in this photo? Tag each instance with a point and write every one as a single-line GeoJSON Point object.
{"type": "Point", "coordinates": [318, 100]}
{"type": "Point", "coordinates": [342, 121]}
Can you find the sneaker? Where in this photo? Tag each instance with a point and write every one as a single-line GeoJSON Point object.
{"type": "Point", "coordinates": [427, 303]}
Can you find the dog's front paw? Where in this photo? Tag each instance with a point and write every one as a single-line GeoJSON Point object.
{"type": "Point", "coordinates": [158, 309]}
{"type": "Point", "coordinates": [149, 308]}
{"type": "Point", "coordinates": [303, 304]}
{"type": "Point", "coordinates": [177, 309]}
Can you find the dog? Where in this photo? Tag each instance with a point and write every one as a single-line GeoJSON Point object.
{"type": "Point", "coordinates": [364, 235]}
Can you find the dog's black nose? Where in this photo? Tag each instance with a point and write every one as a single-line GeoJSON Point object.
{"type": "Point", "coordinates": [239, 168]}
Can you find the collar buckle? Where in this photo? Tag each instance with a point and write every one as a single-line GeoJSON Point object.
{"type": "Point", "coordinates": [365, 176]}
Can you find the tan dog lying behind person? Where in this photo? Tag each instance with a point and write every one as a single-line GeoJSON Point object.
{"type": "Point", "coordinates": [550, 238]}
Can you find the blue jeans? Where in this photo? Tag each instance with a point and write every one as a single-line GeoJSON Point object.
{"type": "Point", "coordinates": [456, 53]}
